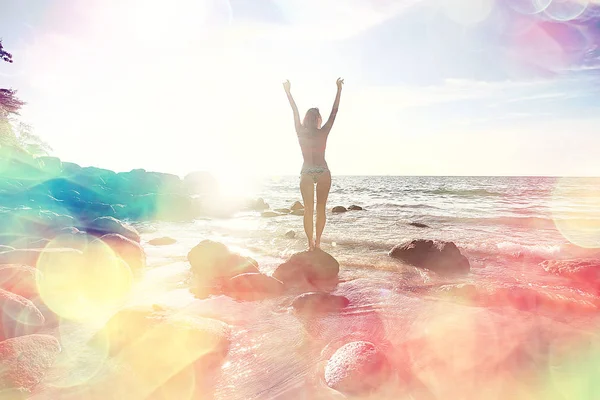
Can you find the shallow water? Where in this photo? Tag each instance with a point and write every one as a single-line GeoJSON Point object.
{"type": "Point", "coordinates": [504, 346]}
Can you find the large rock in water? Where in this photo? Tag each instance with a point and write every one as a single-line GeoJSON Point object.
{"type": "Point", "coordinates": [339, 209]}
{"type": "Point", "coordinates": [253, 286]}
{"type": "Point", "coordinates": [438, 256]}
{"type": "Point", "coordinates": [162, 241]}
{"type": "Point", "coordinates": [313, 267]}
{"type": "Point", "coordinates": [105, 225]}
{"type": "Point", "coordinates": [297, 206]}
{"type": "Point", "coordinates": [131, 252]}
{"type": "Point", "coordinates": [357, 368]}
{"type": "Point", "coordinates": [213, 264]}
{"type": "Point", "coordinates": [162, 349]}
{"type": "Point", "coordinates": [314, 303]}
{"type": "Point", "coordinates": [18, 316]}
{"type": "Point", "coordinates": [24, 361]}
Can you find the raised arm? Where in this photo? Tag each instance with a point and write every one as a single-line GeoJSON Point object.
{"type": "Point", "coordinates": [336, 104]}
{"type": "Point", "coordinates": [287, 86]}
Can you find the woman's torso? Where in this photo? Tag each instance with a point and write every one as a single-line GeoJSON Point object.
{"type": "Point", "coordinates": [313, 143]}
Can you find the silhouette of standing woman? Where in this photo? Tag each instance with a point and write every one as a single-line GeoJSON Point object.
{"type": "Point", "coordinates": [313, 140]}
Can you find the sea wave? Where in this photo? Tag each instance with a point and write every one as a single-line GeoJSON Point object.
{"type": "Point", "coordinates": [528, 222]}
{"type": "Point", "coordinates": [459, 192]}
{"type": "Point", "coordinates": [514, 250]}
{"type": "Point", "coordinates": [402, 206]}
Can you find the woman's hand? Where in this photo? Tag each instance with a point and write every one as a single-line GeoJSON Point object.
{"type": "Point", "coordinates": [339, 83]}
{"type": "Point", "coordinates": [287, 86]}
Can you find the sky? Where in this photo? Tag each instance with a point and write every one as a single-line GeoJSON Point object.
{"type": "Point", "coordinates": [432, 87]}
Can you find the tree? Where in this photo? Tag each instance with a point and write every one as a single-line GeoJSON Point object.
{"type": "Point", "coordinates": [12, 132]}
{"type": "Point", "coordinates": [4, 55]}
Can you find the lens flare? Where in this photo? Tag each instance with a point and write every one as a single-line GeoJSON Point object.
{"type": "Point", "coordinates": [528, 6]}
{"type": "Point", "coordinates": [468, 12]}
{"type": "Point", "coordinates": [573, 371]}
{"type": "Point", "coordinates": [566, 10]}
{"type": "Point", "coordinates": [84, 362]}
{"type": "Point", "coordinates": [575, 215]}
{"type": "Point", "coordinates": [83, 286]}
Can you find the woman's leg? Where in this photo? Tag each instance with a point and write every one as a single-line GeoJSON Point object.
{"type": "Point", "coordinates": [307, 188]}
{"type": "Point", "coordinates": [323, 186]}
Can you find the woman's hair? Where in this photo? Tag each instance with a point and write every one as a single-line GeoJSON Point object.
{"type": "Point", "coordinates": [311, 119]}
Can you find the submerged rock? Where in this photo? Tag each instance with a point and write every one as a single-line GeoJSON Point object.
{"type": "Point", "coordinates": [357, 368]}
{"type": "Point", "coordinates": [355, 208]}
{"type": "Point", "coordinates": [318, 302]}
{"type": "Point", "coordinates": [253, 286]}
{"type": "Point", "coordinates": [162, 241]}
{"type": "Point", "coordinates": [131, 252]}
{"type": "Point", "coordinates": [438, 256]}
{"type": "Point", "coordinates": [18, 316]}
{"type": "Point", "coordinates": [212, 265]}
{"type": "Point", "coordinates": [418, 225]}
{"type": "Point", "coordinates": [290, 234]}
{"type": "Point", "coordinates": [25, 361]}
{"type": "Point", "coordinates": [313, 267]}
{"type": "Point", "coordinates": [339, 209]}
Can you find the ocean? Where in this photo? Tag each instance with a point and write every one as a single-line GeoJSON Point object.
{"type": "Point", "coordinates": [495, 221]}
{"type": "Point", "coordinates": [509, 329]}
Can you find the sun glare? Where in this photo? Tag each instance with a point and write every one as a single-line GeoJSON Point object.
{"type": "Point", "coordinates": [235, 185]}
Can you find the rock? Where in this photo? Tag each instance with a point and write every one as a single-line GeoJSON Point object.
{"type": "Point", "coordinates": [162, 241]}
{"type": "Point", "coordinates": [418, 225]}
{"type": "Point", "coordinates": [314, 267]}
{"type": "Point", "coordinates": [25, 361]}
{"type": "Point", "coordinates": [258, 205]}
{"type": "Point", "coordinates": [585, 272]}
{"type": "Point", "coordinates": [270, 214]}
{"type": "Point", "coordinates": [282, 210]}
{"type": "Point", "coordinates": [20, 279]}
{"type": "Point", "coordinates": [357, 368]}
{"type": "Point", "coordinates": [297, 206]}
{"type": "Point", "coordinates": [105, 225]}
{"type": "Point", "coordinates": [299, 212]}
{"type": "Point", "coordinates": [290, 234]}
{"type": "Point", "coordinates": [32, 222]}
{"type": "Point", "coordinates": [131, 252]}
{"type": "Point", "coordinates": [253, 286]}
{"type": "Point", "coordinates": [162, 347]}
{"type": "Point", "coordinates": [339, 209]}
{"type": "Point", "coordinates": [19, 316]}
{"type": "Point", "coordinates": [355, 208]}
{"type": "Point", "coordinates": [213, 264]}
{"type": "Point", "coordinates": [317, 302]}
{"type": "Point", "coordinates": [438, 256]}
{"type": "Point", "coordinates": [30, 256]}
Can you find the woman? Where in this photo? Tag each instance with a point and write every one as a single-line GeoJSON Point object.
{"type": "Point", "coordinates": [313, 140]}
